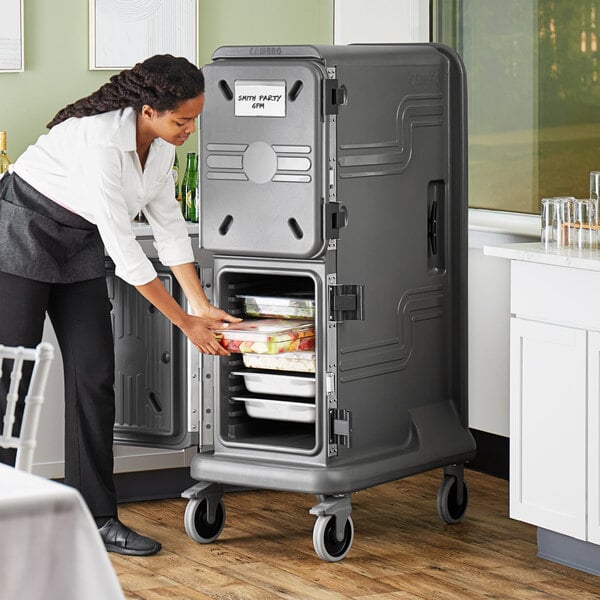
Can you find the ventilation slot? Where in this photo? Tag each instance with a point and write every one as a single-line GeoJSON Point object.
{"type": "Point", "coordinates": [296, 229]}
{"type": "Point", "coordinates": [225, 89]}
{"type": "Point", "coordinates": [225, 225]}
{"type": "Point", "coordinates": [295, 91]}
{"type": "Point", "coordinates": [154, 402]}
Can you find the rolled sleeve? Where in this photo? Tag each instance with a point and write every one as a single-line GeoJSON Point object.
{"type": "Point", "coordinates": [175, 252]}
{"type": "Point", "coordinates": [134, 274]}
{"type": "Point", "coordinates": [172, 241]}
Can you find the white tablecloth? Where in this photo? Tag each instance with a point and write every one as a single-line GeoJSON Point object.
{"type": "Point", "coordinates": [49, 544]}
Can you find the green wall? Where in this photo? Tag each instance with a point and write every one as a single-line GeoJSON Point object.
{"type": "Point", "coordinates": [264, 22]}
{"type": "Point", "coordinates": [56, 53]}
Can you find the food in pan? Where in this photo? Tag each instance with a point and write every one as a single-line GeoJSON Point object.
{"type": "Point", "coordinates": [279, 306]}
{"type": "Point", "coordinates": [304, 362]}
{"type": "Point", "coordinates": [268, 336]}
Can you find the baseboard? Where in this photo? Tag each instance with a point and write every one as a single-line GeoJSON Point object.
{"type": "Point", "coordinates": [152, 485]}
{"type": "Point", "coordinates": [492, 455]}
{"type": "Point", "coordinates": [568, 551]}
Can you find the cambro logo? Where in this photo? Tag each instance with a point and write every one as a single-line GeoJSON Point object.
{"type": "Point", "coordinates": [424, 79]}
{"type": "Point", "coordinates": [265, 51]}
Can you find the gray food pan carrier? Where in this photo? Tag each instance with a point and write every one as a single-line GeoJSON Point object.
{"type": "Point", "coordinates": [350, 186]}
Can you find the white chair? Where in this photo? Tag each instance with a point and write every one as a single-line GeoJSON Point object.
{"type": "Point", "coordinates": [25, 443]}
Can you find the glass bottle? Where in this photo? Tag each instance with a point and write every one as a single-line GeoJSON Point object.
{"type": "Point", "coordinates": [175, 173]}
{"type": "Point", "coordinates": [4, 160]}
{"type": "Point", "coordinates": [189, 188]}
{"type": "Point", "coordinates": [140, 218]}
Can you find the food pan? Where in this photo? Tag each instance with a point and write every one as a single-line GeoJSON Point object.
{"type": "Point", "coordinates": [259, 382]}
{"type": "Point", "coordinates": [268, 336]}
{"type": "Point", "coordinates": [279, 410]}
{"type": "Point", "coordinates": [303, 362]}
{"type": "Point", "coordinates": [278, 306]}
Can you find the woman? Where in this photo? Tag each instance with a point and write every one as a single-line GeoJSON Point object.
{"type": "Point", "coordinates": [66, 200]}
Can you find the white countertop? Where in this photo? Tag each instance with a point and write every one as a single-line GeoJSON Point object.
{"type": "Point", "coordinates": [561, 257]}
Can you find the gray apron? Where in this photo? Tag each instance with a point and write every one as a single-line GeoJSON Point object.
{"type": "Point", "coordinates": [41, 240]}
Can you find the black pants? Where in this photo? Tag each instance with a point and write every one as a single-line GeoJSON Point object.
{"type": "Point", "coordinates": [80, 315]}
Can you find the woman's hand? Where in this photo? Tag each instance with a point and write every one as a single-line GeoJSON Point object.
{"type": "Point", "coordinates": [218, 315]}
{"type": "Point", "coordinates": [199, 328]}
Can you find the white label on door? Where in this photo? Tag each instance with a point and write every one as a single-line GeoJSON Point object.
{"type": "Point", "coordinates": [260, 98]}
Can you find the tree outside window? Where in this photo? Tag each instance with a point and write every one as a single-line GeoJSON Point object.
{"type": "Point", "coordinates": [534, 96]}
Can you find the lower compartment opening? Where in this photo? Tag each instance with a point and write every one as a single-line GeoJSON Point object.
{"type": "Point", "coordinates": [268, 386]}
{"type": "Point", "coordinates": [268, 433]}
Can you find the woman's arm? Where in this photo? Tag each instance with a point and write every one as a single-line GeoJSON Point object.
{"type": "Point", "coordinates": [187, 277]}
{"type": "Point", "coordinates": [198, 327]}
{"type": "Point", "coordinates": [192, 288]}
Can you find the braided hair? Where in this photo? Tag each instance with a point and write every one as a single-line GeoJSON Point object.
{"type": "Point", "coordinates": [162, 81]}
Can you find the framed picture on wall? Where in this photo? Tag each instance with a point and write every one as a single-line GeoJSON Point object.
{"type": "Point", "coordinates": [125, 32]}
{"type": "Point", "coordinates": [12, 56]}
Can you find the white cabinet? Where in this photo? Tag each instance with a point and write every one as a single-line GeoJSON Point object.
{"type": "Point", "coordinates": [555, 390]}
{"type": "Point", "coordinates": [593, 437]}
{"type": "Point", "coordinates": [548, 426]}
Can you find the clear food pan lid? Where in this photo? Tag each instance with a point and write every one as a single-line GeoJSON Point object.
{"type": "Point", "coordinates": [288, 307]}
{"type": "Point", "coordinates": [268, 336]}
{"type": "Point", "coordinates": [282, 301]}
{"type": "Point", "coordinates": [267, 330]}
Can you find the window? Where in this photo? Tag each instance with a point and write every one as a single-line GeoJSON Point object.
{"type": "Point", "coordinates": [534, 96]}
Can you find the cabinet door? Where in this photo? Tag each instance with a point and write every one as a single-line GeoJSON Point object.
{"type": "Point", "coordinates": [151, 373]}
{"type": "Point", "coordinates": [548, 381]}
{"type": "Point", "coordinates": [594, 437]}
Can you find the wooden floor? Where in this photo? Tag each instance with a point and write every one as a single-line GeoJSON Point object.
{"type": "Point", "coordinates": [401, 549]}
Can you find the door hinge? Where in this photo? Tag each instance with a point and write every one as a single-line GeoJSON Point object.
{"type": "Point", "coordinates": [340, 427]}
{"type": "Point", "coordinates": [346, 302]}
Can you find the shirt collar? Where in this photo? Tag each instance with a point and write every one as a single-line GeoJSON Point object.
{"type": "Point", "coordinates": [124, 136]}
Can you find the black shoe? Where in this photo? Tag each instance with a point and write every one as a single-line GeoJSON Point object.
{"type": "Point", "coordinates": [121, 539]}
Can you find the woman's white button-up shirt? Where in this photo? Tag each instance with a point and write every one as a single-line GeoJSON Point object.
{"type": "Point", "coordinates": [90, 166]}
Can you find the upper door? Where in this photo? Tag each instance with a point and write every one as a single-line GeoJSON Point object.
{"type": "Point", "coordinates": [262, 155]}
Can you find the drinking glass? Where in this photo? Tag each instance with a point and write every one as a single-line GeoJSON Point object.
{"type": "Point", "coordinates": [584, 226]}
{"type": "Point", "coordinates": [556, 218]}
{"type": "Point", "coordinates": [594, 185]}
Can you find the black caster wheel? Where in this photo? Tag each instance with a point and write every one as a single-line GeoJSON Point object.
{"type": "Point", "coordinates": [325, 543]}
{"type": "Point", "coordinates": [196, 521]}
{"type": "Point", "coordinates": [448, 506]}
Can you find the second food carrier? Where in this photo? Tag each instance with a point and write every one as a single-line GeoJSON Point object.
{"type": "Point", "coordinates": [333, 211]}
